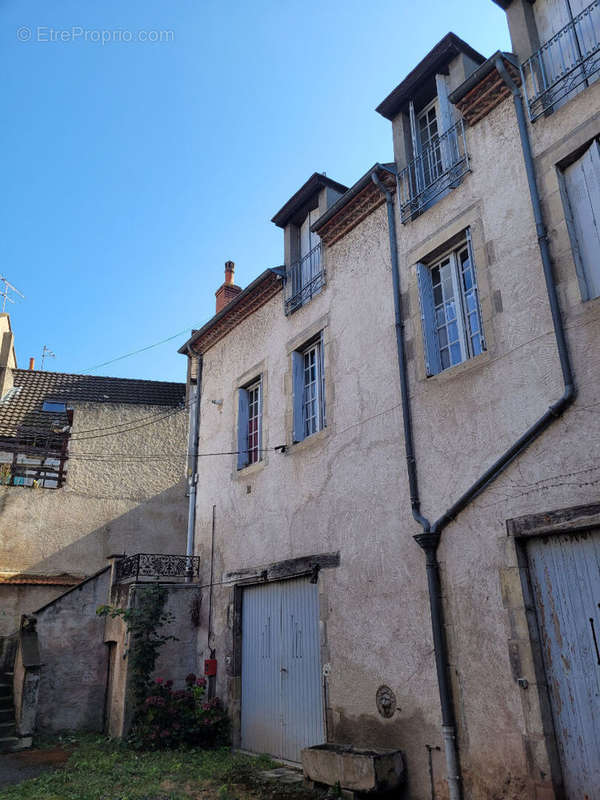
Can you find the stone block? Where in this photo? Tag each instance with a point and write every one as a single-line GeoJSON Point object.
{"type": "Point", "coordinates": [365, 771]}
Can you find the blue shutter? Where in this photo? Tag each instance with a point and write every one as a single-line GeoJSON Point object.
{"type": "Point", "coordinates": [298, 389]}
{"type": "Point", "coordinates": [476, 288]}
{"type": "Point", "coordinates": [242, 430]}
{"type": "Point", "coordinates": [430, 342]}
{"type": "Point", "coordinates": [322, 377]}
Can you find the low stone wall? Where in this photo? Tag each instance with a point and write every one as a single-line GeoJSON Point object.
{"type": "Point", "coordinates": [177, 658]}
{"type": "Point", "coordinates": [74, 658]}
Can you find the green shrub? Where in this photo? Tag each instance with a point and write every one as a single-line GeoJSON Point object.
{"type": "Point", "coordinates": [168, 717]}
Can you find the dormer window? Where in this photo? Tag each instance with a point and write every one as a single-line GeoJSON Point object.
{"type": "Point", "coordinates": [429, 142]}
{"type": "Point", "coordinates": [304, 268]}
{"type": "Point", "coordinates": [305, 276]}
{"type": "Point", "coordinates": [439, 153]}
{"type": "Point", "coordinates": [429, 137]}
{"type": "Point", "coordinates": [54, 406]}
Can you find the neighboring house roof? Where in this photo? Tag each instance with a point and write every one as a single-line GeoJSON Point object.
{"type": "Point", "coordinates": [24, 578]}
{"type": "Point", "coordinates": [22, 407]}
{"type": "Point", "coordinates": [316, 181]}
{"type": "Point", "coordinates": [356, 204]}
{"type": "Point", "coordinates": [446, 49]}
{"type": "Point", "coordinates": [255, 295]}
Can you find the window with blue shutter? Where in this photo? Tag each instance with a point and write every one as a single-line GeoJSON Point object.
{"type": "Point", "coordinates": [242, 437]}
{"type": "Point", "coordinates": [250, 424]}
{"type": "Point", "coordinates": [581, 198]}
{"type": "Point", "coordinates": [450, 310]}
{"type": "Point", "coordinates": [430, 344]}
{"type": "Point", "coordinates": [298, 394]}
{"type": "Point", "coordinates": [308, 378]}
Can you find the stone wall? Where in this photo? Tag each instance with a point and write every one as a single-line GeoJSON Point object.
{"type": "Point", "coordinates": [74, 659]}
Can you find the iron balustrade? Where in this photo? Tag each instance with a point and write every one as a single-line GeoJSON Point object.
{"type": "Point", "coordinates": [566, 61]}
{"type": "Point", "coordinates": [437, 168]}
{"type": "Point", "coordinates": [156, 565]}
{"type": "Point", "coordinates": [304, 278]}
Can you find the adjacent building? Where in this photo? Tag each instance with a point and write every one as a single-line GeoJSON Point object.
{"type": "Point", "coordinates": [398, 529]}
{"type": "Point", "coordinates": [89, 467]}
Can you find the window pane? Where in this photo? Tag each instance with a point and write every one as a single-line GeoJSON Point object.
{"type": "Point", "coordinates": [450, 310]}
{"type": "Point", "coordinates": [456, 354]}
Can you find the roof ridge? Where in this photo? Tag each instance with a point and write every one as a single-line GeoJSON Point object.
{"type": "Point", "coordinates": [98, 377]}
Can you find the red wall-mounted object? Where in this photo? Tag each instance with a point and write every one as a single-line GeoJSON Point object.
{"type": "Point", "coordinates": [210, 667]}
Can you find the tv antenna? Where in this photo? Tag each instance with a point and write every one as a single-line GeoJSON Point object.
{"type": "Point", "coordinates": [5, 288]}
{"type": "Point", "coordinates": [47, 353]}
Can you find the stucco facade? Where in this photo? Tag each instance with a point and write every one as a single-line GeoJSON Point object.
{"type": "Point", "coordinates": [345, 490]}
{"type": "Point", "coordinates": [124, 492]}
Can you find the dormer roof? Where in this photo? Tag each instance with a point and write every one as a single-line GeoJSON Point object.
{"type": "Point", "coordinates": [445, 50]}
{"type": "Point", "coordinates": [316, 182]}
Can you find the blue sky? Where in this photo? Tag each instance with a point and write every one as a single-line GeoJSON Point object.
{"type": "Point", "coordinates": [134, 169]}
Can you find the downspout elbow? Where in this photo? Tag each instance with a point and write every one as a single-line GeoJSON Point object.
{"type": "Point", "coordinates": [568, 398]}
{"type": "Point", "coordinates": [505, 75]}
{"type": "Point", "coordinates": [377, 181]}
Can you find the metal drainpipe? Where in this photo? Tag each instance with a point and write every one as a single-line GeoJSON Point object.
{"type": "Point", "coordinates": [193, 469]}
{"type": "Point", "coordinates": [430, 538]}
{"type": "Point", "coordinates": [427, 540]}
{"type": "Point", "coordinates": [570, 391]}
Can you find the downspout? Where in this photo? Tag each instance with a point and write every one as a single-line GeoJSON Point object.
{"type": "Point", "coordinates": [193, 465]}
{"type": "Point", "coordinates": [427, 540]}
{"type": "Point", "coordinates": [569, 390]}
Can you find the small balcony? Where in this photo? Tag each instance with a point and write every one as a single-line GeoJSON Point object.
{"type": "Point", "coordinates": [304, 278]}
{"type": "Point", "coordinates": [438, 168]}
{"type": "Point", "coordinates": [156, 567]}
{"type": "Point", "coordinates": [570, 59]}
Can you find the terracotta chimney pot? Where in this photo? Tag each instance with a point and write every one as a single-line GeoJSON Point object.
{"type": "Point", "coordinates": [228, 290]}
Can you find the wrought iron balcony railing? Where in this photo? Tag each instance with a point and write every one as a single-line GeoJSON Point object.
{"type": "Point", "coordinates": [156, 565]}
{"type": "Point", "coordinates": [304, 278]}
{"type": "Point", "coordinates": [565, 62]}
{"type": "Point", "coordinates": [438, 167]}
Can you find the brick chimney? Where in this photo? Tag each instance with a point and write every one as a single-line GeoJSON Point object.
{"type": "Point", "coordinates": [228, 290]}
{"type": "Point", "coordinates": [8, 362]}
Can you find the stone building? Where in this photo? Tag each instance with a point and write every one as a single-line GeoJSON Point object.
{"type": "Point", "coordinates": [89, 467]}
{"type": "Point", "coordinates": [400, 539]}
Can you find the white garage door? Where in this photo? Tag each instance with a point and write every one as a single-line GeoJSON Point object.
{"type": "Point", "coordinates": [282, 706]}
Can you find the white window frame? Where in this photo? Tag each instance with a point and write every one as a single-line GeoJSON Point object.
{"type": "Point", "coordinates": [250, 408]}
{"type": "Point", "coordinates": [436, 310]}
{"type": "Point", "coordinates": [308, 374]}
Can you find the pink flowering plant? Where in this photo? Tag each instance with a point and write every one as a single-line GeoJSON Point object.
{"type": "Point", "coordinates": [169, 718]}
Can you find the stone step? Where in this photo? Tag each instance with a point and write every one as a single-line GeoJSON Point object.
{"type": "Point", "coordinates": [9, 744]}
{"type": "Point", "coordinates": [7, 729]}
{"type": "Point", "coordinates": [14, 744]}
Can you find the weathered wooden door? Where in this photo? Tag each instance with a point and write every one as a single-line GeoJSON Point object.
{"type": "Point", "coordinates": [565, 574]}
{"type": "Point", "coordinates": [282, 708]}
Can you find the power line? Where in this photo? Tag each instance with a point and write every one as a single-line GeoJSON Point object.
{"type": "Point", "coordinates": [132, 425]}
{"type": "Point", "coordinates": [123, 457]}
{"type": "Point", "coordinates": [140, 350]}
